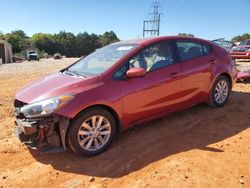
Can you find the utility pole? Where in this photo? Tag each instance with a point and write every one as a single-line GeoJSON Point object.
{"type": "Point", "coordinates": [152, 27]}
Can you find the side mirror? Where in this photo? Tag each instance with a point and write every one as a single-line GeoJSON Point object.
{"type": "Point", "coordinates": [135, 72]}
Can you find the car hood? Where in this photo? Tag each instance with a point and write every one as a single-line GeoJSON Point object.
{"type": "Point", "coordinates": [55, 85]}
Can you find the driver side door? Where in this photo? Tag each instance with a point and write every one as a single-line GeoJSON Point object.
{"type": "Point", "coordinates": [159, 91]}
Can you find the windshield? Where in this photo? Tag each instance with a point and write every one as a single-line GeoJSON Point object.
{"type": "Point", "coordinates": [31, 52]}
{"type": "Point", "coordinates": [101, 60]}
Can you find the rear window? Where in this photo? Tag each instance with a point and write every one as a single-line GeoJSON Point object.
{"type": "Point", "coordinates": [206, 48]}
{"type": "Point", "coordinates": [189, 50]}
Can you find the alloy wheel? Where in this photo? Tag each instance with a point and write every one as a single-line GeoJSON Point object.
{"type": "Point", "coordinates": [94, 133]}
{"type": "Point", "coordinates": [221, 91]}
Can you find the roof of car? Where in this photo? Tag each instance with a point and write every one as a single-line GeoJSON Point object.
{"type": "Point", "coordinates": [146, 41]}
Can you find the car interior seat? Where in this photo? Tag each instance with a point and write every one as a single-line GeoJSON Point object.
{"type": "Point", "coordinates": [164, 52]}
{"type": "Point", "coordinates": [183, 55]}
{"type": "Point", "coordinates": [142, 62]}
{"type": "Point", "coordinates": [194, 52]}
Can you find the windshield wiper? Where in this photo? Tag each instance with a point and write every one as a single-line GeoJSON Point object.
{"type": "Point", "coordinates": [74, 73]}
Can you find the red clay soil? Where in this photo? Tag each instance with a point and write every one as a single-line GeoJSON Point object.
{"type": "Point", "coordinates": [198, 147]}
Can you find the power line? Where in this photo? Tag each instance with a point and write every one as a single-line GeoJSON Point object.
{"type": "Point", "coordinates": [172, 5]}
{"type": "Point", "coordinates": [182, 11]}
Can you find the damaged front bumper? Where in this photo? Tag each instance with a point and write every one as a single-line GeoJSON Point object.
{"type": "Point", "coordinates": [48, 134]}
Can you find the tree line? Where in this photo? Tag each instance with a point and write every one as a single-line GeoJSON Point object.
{"type": "Point", "coordinates": [238, 38]}
{"type": "Point", "coordinates": [69, 44]}
{"type": "Point", "coordinates": [186, 34]}
{"type": "Point", "coordinates": [63, 42]}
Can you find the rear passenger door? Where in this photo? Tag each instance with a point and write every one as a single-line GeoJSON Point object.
{"type": "Point", "coordinates": [196, 62]}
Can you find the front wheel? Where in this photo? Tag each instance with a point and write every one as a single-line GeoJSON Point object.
{"type": "Point", "coordinates": [220, 92]}
{"type": "Point", "coordinates": [92, 132]}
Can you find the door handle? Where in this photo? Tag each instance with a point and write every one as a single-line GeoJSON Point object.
{"type": "Point", "coordinates": [212, 61]}
{"type": "Point", "coordinates": [174, 74]}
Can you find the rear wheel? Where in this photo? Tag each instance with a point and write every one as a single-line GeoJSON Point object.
{"type": "Point", "coordinates": [220, 92]}
{"type": "Point", "coordinates": [92, 132]}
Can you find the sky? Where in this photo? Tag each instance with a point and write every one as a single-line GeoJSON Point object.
{"type": "Point", "coordinates": [208, 19]}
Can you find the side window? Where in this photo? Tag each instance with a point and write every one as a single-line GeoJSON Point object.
{"type": "Point", "coordinates": [206, 49]}
{"type": "Point", "coordinates": [121, 72]}
{"type": "Point", "coordinates": [189, 50]}
{"type": "Point", "coordinates": [154, 57]}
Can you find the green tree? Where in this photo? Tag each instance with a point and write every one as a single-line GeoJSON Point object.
{"type": "Point", "coordinates": [86, 43]}
{"type": "Point", "coordinates": [65, 43]}
{"type": "Point", "coordinates": [44, 42]}
{"type": "Point", "coordinates": [1, 35]}
{"type": "Point", "coordinates": [108, 37]}
{"type": "Point", "coordinates": [241, 38]}
{"type": "Point", "coordinates": [18, 39]}
{"type": "Point", "coordinates": [94, 43]}
{"type": "Point", "coordinates": [19, 33]}
{"type": "Point", "coordinates": [82, 43]}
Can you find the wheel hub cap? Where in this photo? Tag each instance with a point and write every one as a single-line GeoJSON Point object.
{"type": "Point", "coordinates": [221, 92]}
{"type": "Point", "coordinates": [94, 133]}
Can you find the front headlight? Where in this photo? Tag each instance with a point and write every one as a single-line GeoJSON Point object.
{"type": "Point", "coordinates": [45, 107]}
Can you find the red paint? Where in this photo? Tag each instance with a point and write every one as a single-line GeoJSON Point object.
{"type": "Point", "coordinates": [141, 98]}
{"type": "Point", "coordinates": [242, 75]}
{"type": "Point", "coordinates": [136, 72]}
{"type": "Point", "coordinates": [241, 54]}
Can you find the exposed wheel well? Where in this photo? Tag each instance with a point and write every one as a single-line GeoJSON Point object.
{"type": "Point", "coordinates": [110, 110]}
{"type": "Point", "coordinates": [228, 77]}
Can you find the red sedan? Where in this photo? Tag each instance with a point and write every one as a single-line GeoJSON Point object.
{"type": "Point", "coordinates": [242, 51]}
{"type": "Point", "coordinates": [86, 104]}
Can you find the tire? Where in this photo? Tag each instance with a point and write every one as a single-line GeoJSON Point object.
{"type": "Point", "coordinates": [218, 95]}
{"type": "Point", "coordinates": [82, 132]}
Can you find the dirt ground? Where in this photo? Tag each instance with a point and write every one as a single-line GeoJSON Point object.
{"type": "Point", "coordinates": [198, 147]}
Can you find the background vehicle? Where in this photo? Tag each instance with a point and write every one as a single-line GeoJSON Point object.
{"type": "Point", "coordinates": [119, 86]}
{"type": "Point", "coordinates": [17, 59]}
{"type": "Point", "coordinates": [242, 51]}
{"type": "Point", "coordinates": [243, 73]}
{"type": "Point", "coordinates": [46, 56]}
{"type": "Point", "coordinates": [227, 45]}
{"type": "Point", "coordinates": [32, 55]}
{"type": "Point", "coordinates": [57, 56]}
